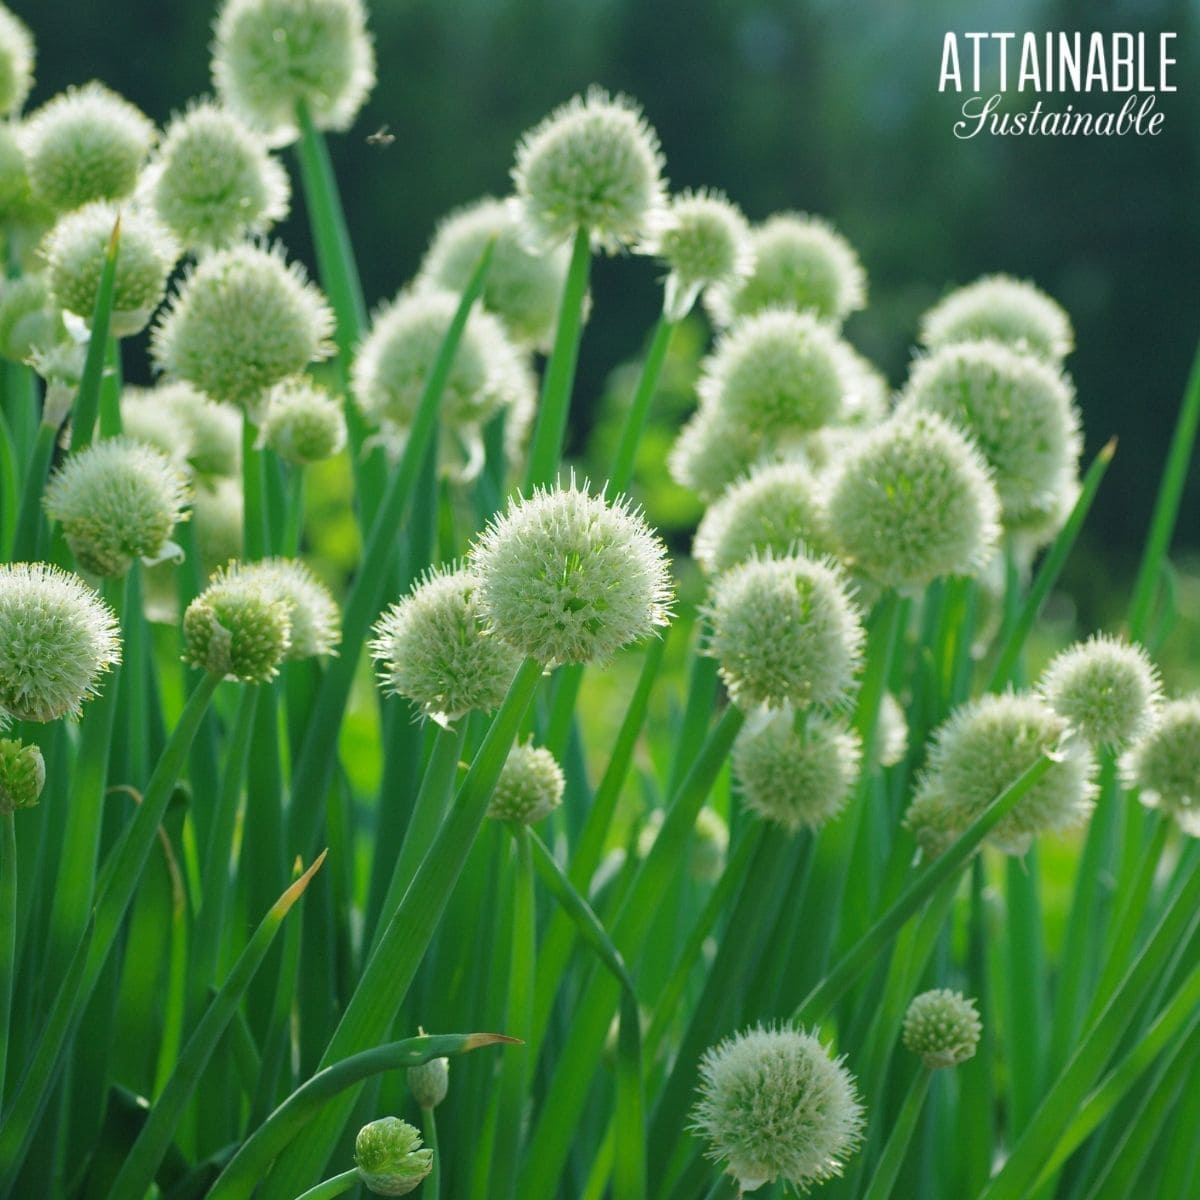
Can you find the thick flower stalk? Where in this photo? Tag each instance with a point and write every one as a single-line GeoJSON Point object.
{"type": "Point", "coordinates": [530, 786]}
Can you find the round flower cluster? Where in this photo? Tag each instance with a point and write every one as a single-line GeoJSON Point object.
{"type": "Point", "coordinates": [390, 1158]}
{"type": "Point", "coordinates": [530, 786]}
{"type": "Point", "coordinates": [942, 1027]}
{"type": "Point", "coordinates": [430, 1082]}
{"type": "Point", "coordinates": [237, 628]}
{"type": "Point", "coordinates": [1165, 766]}
{"type": "Point", "coordinates": [312, 611]}
{"type": "Point", "coordinates": [22, 775]}
{"type": "Point", "coordinates": [29, 319]}
{"type": "Point", "coordinates": [775, 1105]}
{"type": "Point", "coordinates": [303, 423]}
{"type": "Point", "coordinates": [16, 62]}
{"type": "Point", "coordinates": [186, 426]}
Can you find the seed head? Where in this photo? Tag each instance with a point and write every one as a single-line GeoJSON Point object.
{"type": "Point", "coordinates": [785, 631]}
{"type": "Point", "coordinates": [214, 431]}
{"type": "Point", "coordinates": [866, 397]}
{"type": "Point", "coordinates": [570, 577]}
{"type": "Point", "coordinates": [117, 500]}
{"type": "Point", "coordinates": [775, 1105]}
{"type": "Point", "coordinates": [85, 144]}
{"type": "Point", "coordinates": [800, 262]}
{"type": "Point", "coordinates": [270, 56]}
{"type": "Point", "coordinates": [16, 62]}
{"type": "Point", "coordinates": [795, 769]}
{"type": "Point", "coordinates": [594, 164]}
{"type": "Point", "coordinates": [433, 648]}
{"type": "Point", "coordinates": [704, 241]}
{"type": "Point", "coordinates": [22, 775]}
{"type": "Point", "coordinates": [775, 508]}
{"type": "Point", "coordinates": [29, 319]}
{"type": "Point", "coordinates": [75, 250]}
{"type": "Point", "coordinates": [57, 637]}
{"type": "Point", "coordinates": [213, 183]}
{"type": "Point", "coordinates": [17, 206]}
{"type": "Point", "coordinates": [1107, 690]}
{"type": "Point", "coordinates": [943, 1028]}
{"type": "Point", "coordinates": [429, 1082]}
{"type": "Point", "coordinates": [711, 452]}
{"type": "Point", "coordinates": [530, 786]}
{"type": "Point", "coordinates": [390, 1159]}
{"type": "Point", "coordinates": [522, 288]}
{"type": "Point", "coordinates": [1165, 766]}
{"type": "Point", "coordinates": [218, 517]}
{"type": "Point", "coordinates": [304, 423]}
{"type": "Point", "coordinates": [1006, 310]}
{"type": "Point", "coordinates": [316, 628]}
{"type": "Point", "coordinates": [912, 500]}
{"type": "Point", "coordinates": [238, 627]}
{"type": "Point", "coordinates": [146, 420]}
{"type": "Point", "coordinates": [775, 374]}
{"type": "Point", "coordinates": [979, 751]}
{"type": "Point", "coordinates": [242, 321]}
{"type": "Point", "coordinates": [1019, 410]}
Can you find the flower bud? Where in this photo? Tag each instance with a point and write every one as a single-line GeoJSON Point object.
{"type": "Point", "coordinates": [390, 1159]}
{"type": "Point", "coordinates": [1165, 766]}
{"type": "Point", "coordinates": [800, 262]}
{"type": "Point", "coordinates": [1107, 690]}
{"type": "Point", "coordinates": [570, 577]}
{"type": "Point", "coordinates": [213, 183]}
{"type": "Point", "coordinates": [943, 1028]}
{"type": "Point", "coordinates": [57, 637]}
{"type": "Point", "coordinates": [237, 628]}
{"type": "Point", "coordinates": [785, 631]}
{"type": "Point", "coordinates": [706, 849]}
{"type": "Point", "coordinates": [315, 625]}
{"type": "Point", "coordinates": [775, 1105]}
{"type": "Point", "coordinates": [429, 1082]}
{"type": "Point", "coordinates": [60, 365]}
{"type": "Point", "coordinates": [1005, 310]}
{"type": "Point", "coordinates": [75, 250]}
{"type": "Point", "coordinates": [911, 501]}
{"type": "Point", "coordinates": [85, 144]}
{"type": "Point", "coordinates": [982, 748]}
{"type": "Point", "coordinates": [796, 770]}
{"type": "Point", "coordinates": [530, 786]}
{"type": "Point", "coordinates": [29, 319]}
{"type": "Point", "coordinates": [117, 500]}
{"type": "Point", "coordinates": [242, 321]}
{"type": "Point", "coordinates": [272, 55]}
{"type": "Point", "coordinates": [16, 62]}
{"type": "Point", "coordinates": [304, 424]}
{"type": "Point", "coordinates": [594, 164]}
{"type": "Point", "coordinates": [433, 648]}
{"type": "Point", "coordinates": [522, 288]}
{"type": "Point", "coordinates": [22, 775]}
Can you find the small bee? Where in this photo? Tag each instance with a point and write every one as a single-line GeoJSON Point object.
{"type": "Point", "coordinates": [381, 137]}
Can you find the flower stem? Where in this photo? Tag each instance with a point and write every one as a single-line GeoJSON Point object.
{"type": "Point", "coordinates": [431, 1188]}
{"type": "Point", "coordinates": [29, 518]}
{"type": "Point", "coordinates": [892, 1158]}
{"type": "Point", "coordinates": [8, 930]}
{"type": "Point", "coordinates": [335, 1186]}
{"type": "Point", "coordinates": [256, 531]}
{"type": "Point", "coordinates": [621, 474]}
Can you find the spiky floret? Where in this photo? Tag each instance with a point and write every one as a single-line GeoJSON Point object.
{"type": "Point", "coordinates": [775, 373]}
{"type": "Point", "coordinates": [912, 500]}
{"type": "Point", "coordinates": [1106, 689]}
{"type": "Point", "coordinates": [389, 1157]}
{"type": "Point", "coordinates": [269, 56]}
{"type": "Point", "coordinates": [18, 208]}
{"type": "Point", "coordinates": [1165, 766]}
{"type": "Point", "coordinates": [982, 748]}
{"type": "Point", "coordinates": [1019, 411]}
{"type": "Point", "coordinates": [775, 508]}
{"type": "Point", "coordinates": [866, 397]}
{"type": "Point", "coordinates": [704, 241]}
{"type": "Point", "coordinates": [774, 1104]}
{"type": "Point", "coordinates": [146, 420]}
{"type": "Point", "coordinates": [303, 423]}
{"type": "Point", "coordinates": [429, 1082]}
{"type": "Point", "coordinates": [86, 143]}
{"type": "Point", "coordinates": [57, 637]}
{"type": "Point", "coordinates": [432, 647]}
{"type": "Point", "coordinates": [594, 164]}
{"type": "Point", "coordinates": [796, 769]}
{"type": "Point", "coordinates": [312, 610]}
{"type": "Point", "coordinates": [242, 321]}
{"type": "Point", "coordinates": [213, 182]}
{"type": "Point", "coordinates": [28, 317]}
{"type": "Point", "coordinates": [785, 631]}
{"type": "Point", "coordinates": [800, 262]}
{"type": "Point", "coordinates": [22, 775]}
{"type": "Point", "coordinates": [1004, 309]}
{"type": "Point", "coordinates": [16, 62]}
{"type": "Point", "coordinates": [942, 1027]}
{"type": "Point", "coordinates": [239, 627]}
{"type": "Point", "coordinates": [566, 576]}
{"type": "Point", "coordinates": [118, 500]}
{"type": "Point", "coordinates": [530, 786]}
{"type": "Point", "coordinates": [75, 250]}
{"type": "Point", "coordinates": [523, 288]}
{"type": "Point", "coordinates": [395, 358]}
{"type": "Point", "coordinates": [710, 453]}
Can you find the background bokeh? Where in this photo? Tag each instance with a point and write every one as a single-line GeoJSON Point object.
{"type": "Point", "coordinates": [818, 105]}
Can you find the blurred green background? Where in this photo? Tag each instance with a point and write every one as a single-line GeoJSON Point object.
{"type": "Point", "coordinates": [824, 106]}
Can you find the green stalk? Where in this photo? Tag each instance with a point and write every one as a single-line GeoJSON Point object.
{"type": "Point", "coordinates": [336, 1186]}
{"type": "Point", "coordinates": [137, 1173]}
{"type": "Point", "coordinates": [110, 390]}
{"type": "Point", "coordinates": [1025, 1010]}
{"type": "Point", "coordinates": [1166, 506]}
{"type": "Point", "coordinates": [249, 1166]}
{"type": "Point", "coordinates": [256, 522]}
{"type": "Point", "coordinates": [29, 518]}
{"type": "Point", "coordinates": [892, 1158]}
{"type": "Point", "coordinates": [431, 1189]}
{"type": "Point", "coordinates": [389, 972]}
{"type": "Point", "coordinates": [87, 404]}
{"type": "Point", "coordinates": [313, 769]}
{"type": "Point", "coordinates": [621, 474]}
{"type": "Point", "coordinates": [559, 380]}
{"type": "Point", "coordinates": [8, 931]}
{"type": "Point", "coordinates": [10, 492]}
{"type": "Point", "coordinates": [293, 529]}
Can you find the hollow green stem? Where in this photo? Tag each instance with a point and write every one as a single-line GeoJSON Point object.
{"type": "Point", "coordinates": [256, 527]}
{"type": "Point", "coordinates": [431, 1188]}
{"type": "Point", "coordinates": [8, 931]}
{"type": "Point", "coordinates": [621, 473]}
{"type": "Point", "coordinates": [293, 529]}
{"type": "Point", "coordinates": [338, 1185]}
{"type": "Point", "coordinates": [87, 404]}
{"type": "Point", "coordinates": [29, 517]}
